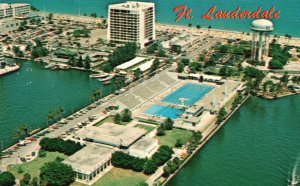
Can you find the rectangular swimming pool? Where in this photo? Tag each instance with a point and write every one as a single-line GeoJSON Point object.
{"type": "Point", "coordinates": [191, 92]}
{"type": "Point", "coordinates": [163, 111]}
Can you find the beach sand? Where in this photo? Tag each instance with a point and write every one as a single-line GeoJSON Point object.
{"type": "Point", "coordinates": [227, 34]}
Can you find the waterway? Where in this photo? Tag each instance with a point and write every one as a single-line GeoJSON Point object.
{"type": "Point", "coordinates": [27, 96]}
{"type": "Point", "coordinates": [259, 146]}
{"type": "Point", "coordinates": [286, 24]}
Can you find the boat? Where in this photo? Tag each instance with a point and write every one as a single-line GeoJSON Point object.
{"type": "Point", "coordinates": [106, 82]}
{"type": "Point", "coordinates": [109, 77]}
{"type": "Point", "coordinates": [99, 75]}
{"type": "Point", "coordinates": [49, 66]}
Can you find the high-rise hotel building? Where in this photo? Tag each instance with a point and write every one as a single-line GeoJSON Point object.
{"type": "Point", "coordinates": [131, 22]}
{"type": "Point", "coordinates": [13, 10]}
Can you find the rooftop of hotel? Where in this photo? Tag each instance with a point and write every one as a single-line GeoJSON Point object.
{"type": "Point", "coordinates": [6, 5]}
{"type": "Point", "coordinates": [89, 158]}
{"type": "Point", "coordinates": [144, 143]}
{"type": "Point", "coordinates": [132, 5]}
{"type": "Point", "coordinates": [113, 134]}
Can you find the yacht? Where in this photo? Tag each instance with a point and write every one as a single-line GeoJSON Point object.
{"type": "Point", "coordinates": [106, 78]}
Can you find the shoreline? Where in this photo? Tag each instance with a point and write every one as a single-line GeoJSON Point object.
{"type": "Point", "coordinates": [207, 138]}
{"type": "Point", "coordinates": [227, 34]}
{"type": "Point", "coordinates": [223, 33]}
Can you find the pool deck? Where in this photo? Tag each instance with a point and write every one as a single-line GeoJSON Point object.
{"type": "Point", "coordinates": [213, 100]}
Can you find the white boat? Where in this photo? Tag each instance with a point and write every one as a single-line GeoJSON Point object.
{"type": "Point", "coordinates": [99, 75]}
{"type": "Point", "coordinates": [109, 77]}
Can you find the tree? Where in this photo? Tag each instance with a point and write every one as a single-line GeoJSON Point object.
{"type": "Point", "coordinates": [161, 53]}
{"type": "Point", "coordinates": [93, 15]}
{"type": "Point", "coordinates": [57, 174]}
{"type": "Point", "coordinates": [7, 179]}
{"type": "Point", "coordinates": [226, 71]}
{"type": "Point", "coordinates": [275, 64]}
{"type": "Point", "coordinates": [168, 124]}
{"type": "Point", "coordinates": [117, 119]}
{"type": "Point", "coordinates": [209, 27]}
{"type": "Point", "coordinates": [87, 62]}
{"type": "Point", "coordinates": [198, 27]}
{"type": "Point", "coordinates": [179, 143]}
{"type": "Point", "coordinates": [137, 73]}
{"type": "Point", "coordinates": [222, 114]}
{"type": "Point", "coordinates": [150, 167]}
{"type": "Point", "coordinates": [126, 115]}
{"type": "Point", "coordinates": [180, 67]}
{"type": "Point", "coordinates": [80, 62]}
{"type": "Point", "coordinates": [190, 25]}
{"type": "Point", "coordinates": [35, 181]}
{"type": "Point", "coordinates": [26, 179]}
{"type": "Point", "coordinates": [155, 65]}
{"type": "Point", "coordinates": [160, 130]}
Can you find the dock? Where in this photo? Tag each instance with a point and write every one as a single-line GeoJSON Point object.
{"type": "Point", "coordinates": [9, 69]}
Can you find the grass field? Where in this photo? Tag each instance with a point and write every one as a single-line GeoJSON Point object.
{"type": "Point", "coordinates": [109, 119]}
{"type": "Point", "coordinates": [119, 177]}
{"type": "Point", "coordinates": [172, 135]}
{"type": "Point", "coordinates": [33, 167]}
{"type": "Point", "coordinates": [146, 127]}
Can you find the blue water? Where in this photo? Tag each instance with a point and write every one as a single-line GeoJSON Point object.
{"type": "Point", "coordinates": [166, 112]}
{"type": "Point", "coordinates": [190, 91]}
{"type": "Point", "coordinates": [288, 22]}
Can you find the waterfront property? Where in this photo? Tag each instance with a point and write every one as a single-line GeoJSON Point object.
{"type": "Point", "coordinates": [112, 134]}
{"type": "Point", "coordinates": [131, 22]}
{"type": "Point", "coordinates": [90, 162]}
{"type": "Point", "coordinates": [144, 148]}
{"type": "Point", "coordinates": [14, 10]}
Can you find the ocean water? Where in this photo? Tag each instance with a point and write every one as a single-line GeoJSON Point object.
{"type": "Point", "coordinates": [27, 96]}
{"type": "Point", "coordinates": [288, 23]}
{"type": "Point", "coordinates": [259, 146]}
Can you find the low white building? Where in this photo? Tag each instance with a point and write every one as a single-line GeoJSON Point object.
{"type": "Point", "coordinates": [144, 148]}
{"type": "Point", "coordinates": [90, 162]}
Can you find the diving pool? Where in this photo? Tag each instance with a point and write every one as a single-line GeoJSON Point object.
{"type": "Point", "coordinates": [191, 92]}
{"type": "Point", "coordinates": [163, 111]}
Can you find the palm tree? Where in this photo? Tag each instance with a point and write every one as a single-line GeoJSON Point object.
{"type": "Point", "coordinates": [190, 25]}
{"type": "Point", "coordinates": [288, 37]}
{"type": "Point", "coordinates": [209, 27]}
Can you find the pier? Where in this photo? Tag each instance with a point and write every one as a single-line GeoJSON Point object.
{"type": "Point", "coordinates": [9, 69]}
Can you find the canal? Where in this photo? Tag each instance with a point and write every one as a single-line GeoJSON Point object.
{"type": "Point", "coordinates": [260, 145]}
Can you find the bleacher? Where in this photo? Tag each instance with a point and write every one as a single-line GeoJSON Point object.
{"type": "Point", "coordinates": [146, 90]}
{"type": "Point", "coordinates": [144, 93]}
{"type": "Point", "coordinates": [167, 79]}
{"type": "Point", "coordinates": [156, 86]}
{"type": "Point", "coordinates": [129, 101]}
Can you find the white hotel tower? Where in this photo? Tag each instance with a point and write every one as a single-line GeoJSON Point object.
{"type": "Point", "coordinates": [131, 22]}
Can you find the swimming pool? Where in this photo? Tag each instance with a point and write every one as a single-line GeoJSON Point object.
{"type": "Point", "coordinates": [190, 91]}
{"type": "Point", "coordinates": [163, 111]}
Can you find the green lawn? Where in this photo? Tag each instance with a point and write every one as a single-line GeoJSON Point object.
{"type": "Point", "coordinates": [109, 119]}
{"type": "Point", "coordinates": [172, 135]}
{"type": "Point", "coordinates": [146, 127]}
{"type": "Point", "coordinates": [33, 167]}
{"type": "Point", "coordinates": [119, 177]}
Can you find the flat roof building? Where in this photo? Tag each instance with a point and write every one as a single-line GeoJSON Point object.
{"type": "Point", "coordinates": [131, 22]}
{"type": "Point", "coordinates": [112, 134]}
{"type": "Point", "coordinates": [14, 10]}
{"type": "Point", "coordinates": [90, 162]}
{"type": "Point", "coordinates": [144, 148]}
